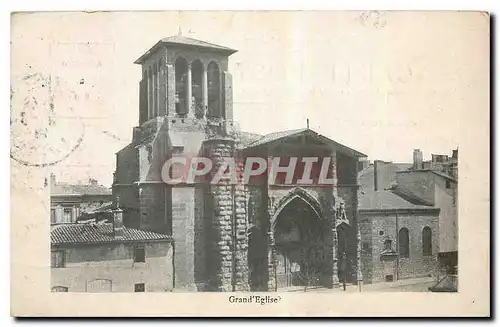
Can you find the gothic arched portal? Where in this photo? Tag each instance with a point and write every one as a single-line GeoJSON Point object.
{"type": "Point", "coordinates": [299, 235]}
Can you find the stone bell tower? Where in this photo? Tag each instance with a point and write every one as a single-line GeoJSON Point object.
{"type": "Point", "coordinates": [185, 78]}
{"type": "Point", "coordinates": [186, 108]}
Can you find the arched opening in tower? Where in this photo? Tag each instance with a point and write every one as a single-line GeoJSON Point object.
{"type": "Point", "coordinates": [214, 94]}
{"type": "Point", "coordinates": [150, 92]}
{"type": "Point", "coordinates": [197, 88]}
{"type": "Point", "coordinates": [156, 89]}
{"type": "Point", "coordinates": [301, 252]}
{"type": "Point", "coordinates": [181, 84]}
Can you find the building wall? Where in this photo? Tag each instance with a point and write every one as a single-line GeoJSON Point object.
{"type": "Point", "coordinates": [377, 227]}
{"type": "Point", "coordinates": [127, 165]}
{"type": "Point", "coordinates": [183, 216]}
{"type": "Point", "coordinates": [114, 262]}
{"type": "Point", "coordinates": [441, 192]}
{"type": "Point", "coordinates": [446, 200]}
{"type": "Point", "coordinates": [419, 184]}
{"type": "Point", "coordinates": [384, 175]}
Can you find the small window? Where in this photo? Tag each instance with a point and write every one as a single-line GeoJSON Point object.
{"type": "Point", "coordinates": [99, 286]}
{"type": "Point", "coordinates": [404, 243]}
{"type": "Point", "coordinates": [58, 259]}
{"type": "Point", "coordinates": [366, 246]}
{"type": "Point", "coordinates": [141, 287]}
{"type": "Point", "coordinates": [381, 233]}
{"type": "Point", "coordinates": [426, 241]}
{"type": "Point", "coordinates": [139, 254]}
{"type": "Point", "coordinates": [52, 216]}
{"type": "Point", "coordinates": [250, 211]}
{"type": "Point", "coordinates": [387, 245]}
{"type": "Point", "coordinates": [68, 215]}
{"type": "Point", "coordinates": [59, 289]}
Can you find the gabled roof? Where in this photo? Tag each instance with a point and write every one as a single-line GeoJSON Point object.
{"type": "Point", "coordinates": [277, 136]}
{"type": "Point", "coordinates": [245, 138]}
{"type": "Point", "coordinates": [79, 189]}
{"type": "Point", "coordinates": [66, 234]}
{"type": "Point", "coordinates": [439, 173]}
{"type": "Point", "coordinates": [180, 40]}
{"type": "Point", "coordinates": [268, 138]}
{"type": "Point", "coordinates": [387, 200]}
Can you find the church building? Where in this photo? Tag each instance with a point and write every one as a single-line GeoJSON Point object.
{"type": "Point", "coordinates": [233, 237]}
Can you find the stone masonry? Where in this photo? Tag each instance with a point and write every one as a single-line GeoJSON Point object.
{"type": "Point", "coordinates": [224, 235]}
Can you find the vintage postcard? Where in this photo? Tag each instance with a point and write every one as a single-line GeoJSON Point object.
{"type": "Point", "coordinates": [232, 163]}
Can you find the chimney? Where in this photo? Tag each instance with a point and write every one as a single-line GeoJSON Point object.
{"type": "Point", "coordinates": [376, 164]}
{"type": "Point", "coordinates": [118, 228]}
{"type": "Point", "coordinates": [53, 181]}
{"type": "Point", "coordinates": [417, 159]}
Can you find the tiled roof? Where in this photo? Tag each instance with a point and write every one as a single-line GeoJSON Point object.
{"type": "Point", "coordinates": [79, 189]}
{"type": "Point", "coordinates": [186, 41]}
{"type": "Point", "coordinates": [310, 133]}
{"type": "Point", "coordinates": [445, 175]}
{"type": "Point", "coordinates": [99, 233]}
{"type": "Point", "coordinates": [274, 136]}
{"type": "Point", "coordinates": [182, 40]}
{"type": "Point", "coordinates": [386, 200]}
{"type": "Point", "coordinates": [246, 138]}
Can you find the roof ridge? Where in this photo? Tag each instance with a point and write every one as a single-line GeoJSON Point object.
{"type": "Point", "coordinates": [213, 44]}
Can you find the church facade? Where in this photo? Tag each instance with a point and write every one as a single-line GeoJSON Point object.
{"type": "Point", "coordinates": [233, 237]}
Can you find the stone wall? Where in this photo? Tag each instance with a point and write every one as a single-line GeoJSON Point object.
{"type": "Point", "coordinates": [227, 237]}
{"type": "Point", "coordinates": [257, 243]}
{"type": "Point", "coordinates": [114, 262]}
{"type": "Point", "coordinates": [183, 214]}
{"type": "Point", "coordinates": [378, 227]}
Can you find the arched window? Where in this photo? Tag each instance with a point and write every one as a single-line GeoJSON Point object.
{"type": "Point", "coordinates": [181, 84]}
{"type": "Point", "coordinates": [426, 241]}
{"type": "Point", "coordinates": [161, 88]}
{"type": "Point", "coordinates": [150, 93]}
{"type": "Point", "coordinates": [155, 90]}
{"type": "Point", "coordinates": [214, 93]}
{"type": "Point", "coordinates": [59, 289]}
{"type": "Point", "coordinates": [99, 286]}
{"type": "Point", "coordinates": [197, 88]}
{"type": "Point", "coordinates": [404, 243]}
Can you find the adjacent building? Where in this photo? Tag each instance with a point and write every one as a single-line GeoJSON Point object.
{"type": "Point", "coordinates": [437, 185]}
{"type": "Point", "coordinates": [69, 201]}
{"type": "Point", "coordinates": [108, 257]}
{"type": "Point", "coordinates": [409, 217]}
{"type": "Point", "coordinates": [399, 235]}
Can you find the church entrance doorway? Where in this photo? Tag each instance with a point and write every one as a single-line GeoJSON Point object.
{"type": "Point", "coordinates": [299, 241]}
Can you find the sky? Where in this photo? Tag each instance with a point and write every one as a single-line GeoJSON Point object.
{"type": "Point", "coordinates": [383, 83]}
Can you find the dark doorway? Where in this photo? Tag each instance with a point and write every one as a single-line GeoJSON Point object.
{"type": "Point", "coordinates": [257, 260]}
{"type": "Point", "coordinates": [344, 253]}
{"type": "Point", "coordinates": [300, 251]}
